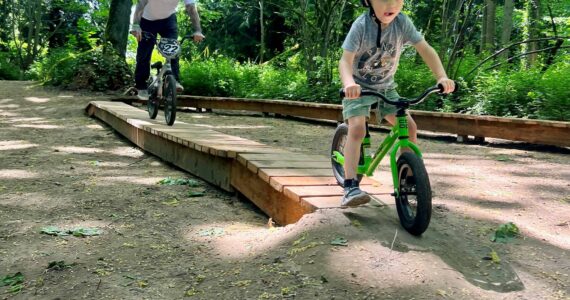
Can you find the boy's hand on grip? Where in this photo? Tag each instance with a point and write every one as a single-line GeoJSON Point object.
{"type": "Point", "coordinates": [447, 84]}
{"type": "Point", "coordinates": [352, 91]}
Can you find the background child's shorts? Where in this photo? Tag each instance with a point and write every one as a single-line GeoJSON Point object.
{"type": "Point", "coordinates": [361, 106]}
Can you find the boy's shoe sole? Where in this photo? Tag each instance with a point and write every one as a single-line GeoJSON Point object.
{"type": "Point", "coordinates": [356, 200]}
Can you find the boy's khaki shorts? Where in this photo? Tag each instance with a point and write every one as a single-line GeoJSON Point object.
{"type": "Point", "coordinates": [361, 106]}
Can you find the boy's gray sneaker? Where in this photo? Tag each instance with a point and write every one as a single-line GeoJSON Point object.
{"type": "Point", "coordinates": [179, 87]}
{"type": "Point", "coordinates": [354, 196]}
{"type": "Point", "coordinates": [142, 94]}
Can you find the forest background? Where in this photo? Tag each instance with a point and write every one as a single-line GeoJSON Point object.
{"type": "Point", "coordinates": [510, 57]}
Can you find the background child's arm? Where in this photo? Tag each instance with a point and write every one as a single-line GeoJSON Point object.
{"type": "Point", "coordinates": [434, 63]}
{"type": "Point", "coordinates": [351, 89]}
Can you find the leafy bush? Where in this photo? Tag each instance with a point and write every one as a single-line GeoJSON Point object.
{"type": "Point", "coordinates": [8, 69]}
{"type": "Point", "coordinates": [554, 101]}
{"type": "Point", "coordinates": [94, 70]}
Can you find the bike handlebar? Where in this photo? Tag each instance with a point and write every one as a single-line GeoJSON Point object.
{"type": "Point", "coordinates": [401, 100]}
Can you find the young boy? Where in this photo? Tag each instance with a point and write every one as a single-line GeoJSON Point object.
{"type": "Point", "coordinates": [158, 17]}
{"type": "Point", "coordinates": [372, 50]}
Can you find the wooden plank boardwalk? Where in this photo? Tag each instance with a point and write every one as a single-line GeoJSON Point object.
{"type": "Point", "coordinates": [554, 133]}
{"type": "Point", "coordinates": [285, 185]}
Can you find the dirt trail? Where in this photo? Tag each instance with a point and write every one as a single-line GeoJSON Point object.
{"type": "Point", "coordinates": [59, 167]}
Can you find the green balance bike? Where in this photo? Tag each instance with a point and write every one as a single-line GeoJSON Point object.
{"type": "Point", "coordinates": [412, 189]}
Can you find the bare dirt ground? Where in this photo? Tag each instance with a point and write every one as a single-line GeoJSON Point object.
{"type": "Point", "coordinates": [59, 167]}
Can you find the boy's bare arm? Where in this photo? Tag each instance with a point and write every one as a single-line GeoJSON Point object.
{"type": "Point", "coordinates": [431, 58]}
{"type": "Point", "coordinates": [137, 16]}
{"type": "Point", "coordinates": [351, 89]}
{"type": "Point", "coordinates": [192, 12]}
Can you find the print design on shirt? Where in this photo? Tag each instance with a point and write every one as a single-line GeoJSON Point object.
{"type": "Point", "coordinates": [376, 63]}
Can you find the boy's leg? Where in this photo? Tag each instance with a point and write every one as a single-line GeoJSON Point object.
{"type": "Point", "coordinates": [356, 132]}
{"type": "Point", "coordinates": [144, 53]}
{"type": "Point", "coordinates": [355, 111]}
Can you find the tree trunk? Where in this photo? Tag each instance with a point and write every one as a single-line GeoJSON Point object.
{"type": "Point", "coordinates": [533, 28]}
{"type": "Point", "coordinates": [117, 31]}
{"type": "Point", "coordinates": [489, 37]}
{"type": "Point", "coordinates": [507, 26]}
{"type": "Point", "coordinates": [262, 30]}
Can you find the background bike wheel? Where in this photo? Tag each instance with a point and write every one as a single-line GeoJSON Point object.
{"type": "Point", "coordinates": [170, 99]}
{"type": "Point", "coordinates": [414, 200]}
{"type": "Point", "coordinates": [338, 143]}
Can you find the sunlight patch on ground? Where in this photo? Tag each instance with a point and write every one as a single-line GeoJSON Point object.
{"type": "Point", "coordinates": [34, 201]}
{"type": "Point", "coordinates": [37, 100]}
{"type": "Point", "coordinates": [94, 126]}
{"type": "Point", "coordinates": [65, 96]}
{"type": "Point", "coordinates": [236, 240]}
{"type": "Point", "coordinates": [38, 126]}
{"type": "Point", "coordinates": [79, 150]}
{"type": "Point", "coordinates": [98, 163]}
{"type": "Point", "coordinates": [10, 106]}
{"type": "Point", "coordinates": [127, 151]}
{"type": "Point", "coordinates": [112, 180]}
{"type": "Point", "coordinates": [15, 145]}
{"type": "Point", "coordinates": [16, 174]}
{"type": "Point", "coordinates": [4, 113]}
{"type": "Point", "coordinates": [6, 100]}
{"type": "Point", "coordinates": [26, 120]}
{"type": "Point", "coordinates": [546, 230]}
{"type": "Point", "coordinates": [199, 117]}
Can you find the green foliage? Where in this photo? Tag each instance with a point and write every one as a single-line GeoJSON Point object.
{"type": "Point", "coordinates": [95, 70]}
{"type": "Point", "coordinates": [8, 69]}
{"type": "Point", "coordinates": [505, 233]}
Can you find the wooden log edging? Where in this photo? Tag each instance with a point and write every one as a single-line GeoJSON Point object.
{"type": "Point", "coordinates": [543, 132]}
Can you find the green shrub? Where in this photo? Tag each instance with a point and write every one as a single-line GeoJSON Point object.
{"type": "Point", "coordinates": [8, 69]}
{"type": "Point", "coordinates": [94, 70]}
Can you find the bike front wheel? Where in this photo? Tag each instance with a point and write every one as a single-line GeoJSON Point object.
{"type": "Point", "coordinates": [170, 99]}
{"type": "Point", "coordinates": [413, 201]}
{"type": "Point", "coordinates": [338, 144]}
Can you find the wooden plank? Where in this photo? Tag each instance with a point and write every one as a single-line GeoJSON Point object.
{"type": "Point", "coordinates": [266, 174]}
{"type": "Point", "coordinates": [279, 183]}
{"type": "Point", "coordinates": [334, 202]}
{"type": "Point", "coordinates": [284, 157]}
{"type": "Point", "coordinates": [298, 192]}
{"type": "Point", "coordinates": [277, 164]}
{"type": "Point", "coordinates": [275, 204]}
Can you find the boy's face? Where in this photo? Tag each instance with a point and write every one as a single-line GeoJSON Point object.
{"type": "Point", "coordinates": [386, 10]}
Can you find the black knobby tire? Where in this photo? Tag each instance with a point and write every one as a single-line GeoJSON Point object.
{"type": "Point", "coordinates": [152, 106]}
{"type": "Point", "coordinates": [170, 99]}
{"type": "Point", "coordinates": [414, 200]}
{"type": "Point", "coordinates": [338, 143]}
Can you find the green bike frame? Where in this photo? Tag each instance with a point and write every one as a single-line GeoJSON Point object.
{"type": "Point", "coordinates": [398, 138]}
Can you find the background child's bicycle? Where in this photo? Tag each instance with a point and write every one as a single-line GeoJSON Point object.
{"type": "Point", "coordinates": [162, 86]}
{"type": "Point", "coordinates": [412, 189]}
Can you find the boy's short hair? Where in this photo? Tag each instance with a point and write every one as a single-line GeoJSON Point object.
{"type": "Point", "coordinates": [365, 3]}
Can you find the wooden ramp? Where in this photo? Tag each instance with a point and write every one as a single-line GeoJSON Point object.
{"type": "Point", "coordinates": [285, 185]}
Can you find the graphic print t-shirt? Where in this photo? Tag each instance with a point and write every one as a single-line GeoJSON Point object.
{"type": "Point", "coordinates": [374, 68]}
{"type": "Point", "coordinates": [161, 9]}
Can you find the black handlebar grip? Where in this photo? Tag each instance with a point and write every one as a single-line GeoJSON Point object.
{"type": "Point", "coordinates": [341, 93]}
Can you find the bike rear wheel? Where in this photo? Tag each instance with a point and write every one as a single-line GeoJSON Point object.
{"type": "Point", "coordinates": [413, 201]}
{"type": "Point", "coordinates": [152, 106]}
{"type": "Point", "coordinates": [338, 144]}
{"type": "Point", "coordinates": [170, 99]}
